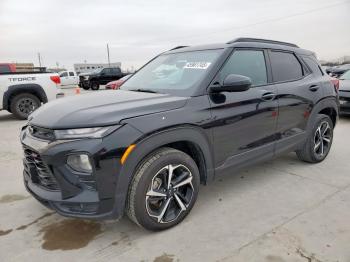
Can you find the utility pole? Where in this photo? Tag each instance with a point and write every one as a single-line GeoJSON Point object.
{"type": "Point", "coordinates": [39, 59]}
{"type": "Point", "coordinates": [109, 62]}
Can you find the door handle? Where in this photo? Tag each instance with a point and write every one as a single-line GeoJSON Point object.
{"type": "Point", "coordinates": [314, 88]}
{"type": "Point", "coordinates": [268, 96]}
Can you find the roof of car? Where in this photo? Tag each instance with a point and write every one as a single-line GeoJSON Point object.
{"type": "Point", "coordinates": [245, 42]}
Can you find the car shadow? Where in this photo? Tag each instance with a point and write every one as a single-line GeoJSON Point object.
{"type": "Point", "coordinates": [9, 117]}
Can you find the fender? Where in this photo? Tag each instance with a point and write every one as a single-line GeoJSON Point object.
{"type": "Point", "coordinates": [328, 102]}
{"type": "Point", "coordinates": [23, 88]}
{"type": "Point", "coordinates": [146, 145]}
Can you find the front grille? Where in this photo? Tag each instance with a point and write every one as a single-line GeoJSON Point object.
{"type": "Point", "coordinates": [38, 171]}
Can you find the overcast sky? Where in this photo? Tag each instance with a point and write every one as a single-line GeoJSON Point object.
{"type": "Point", "coordinates": [71, 31]}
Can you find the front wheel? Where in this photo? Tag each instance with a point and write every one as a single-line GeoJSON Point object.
{"type": "Point", "coordinates": [319, 141]}
{"type": "Point", "coordinates": [95, 86]}
{"type": "Point", "coordinates": [163, 190]}
{"type": "Point", "coordinates": [85, 87]}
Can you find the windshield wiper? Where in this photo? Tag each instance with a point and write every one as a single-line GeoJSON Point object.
{"type": "Point", "coordinates": [143, 90]}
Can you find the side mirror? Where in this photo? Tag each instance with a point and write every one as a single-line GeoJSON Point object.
{"type": "Point", "coordinates": [233, 83]}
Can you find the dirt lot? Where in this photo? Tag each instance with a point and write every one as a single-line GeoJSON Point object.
{"type": "Point", "coordinates": [283, 210]}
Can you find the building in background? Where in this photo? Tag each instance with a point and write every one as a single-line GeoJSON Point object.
{"type": "Point", "coordinates": [56, 69]}
{"type": "Point", "coordinates": [86, 67]}
{"type": "Point", "coordinates": [24, 67]}
{"type": "Point", "coordinates": [344, 60]}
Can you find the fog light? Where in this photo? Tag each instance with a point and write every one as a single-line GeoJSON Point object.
{"type": "Point", "coordinates": [80, 163]}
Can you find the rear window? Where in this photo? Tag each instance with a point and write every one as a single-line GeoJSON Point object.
{"type": "Point", "coordinates": [285, 66]}
{"type": "Point", "coordinates": [315, 68]}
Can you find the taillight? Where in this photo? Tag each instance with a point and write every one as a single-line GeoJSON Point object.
{"type": "Point", "coordinates": [113, 86]}
{"type": "Point", "coordinates": [56, 79]}
{"type": "Point", "coordinates": [335, 82]}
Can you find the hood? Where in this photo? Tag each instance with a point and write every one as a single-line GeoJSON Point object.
{"type": "Point", "coordinates": [102, 108]}
{"type": "Point", "coordinates": [88, 74]}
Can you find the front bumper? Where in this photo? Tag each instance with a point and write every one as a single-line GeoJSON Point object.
{"type": "Point", "coordinates": [83, 81]}
{"type": "Point", "coordinates": [344, 100]}
{"type": "Point", "coordinates": [53, 183]}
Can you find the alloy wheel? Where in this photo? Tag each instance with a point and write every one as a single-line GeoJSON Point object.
{"type": "Point", "coordinates": [322, 139]}
{"type": "Point", "coordinates": [26, 105]}
{"type": "Point", "coordinates": [170, 193]}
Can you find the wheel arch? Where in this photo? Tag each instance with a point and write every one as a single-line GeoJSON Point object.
{"type": "Point", "coordinates": [14, 90]}
{"type": "Point", "coordinates": [327, 106]}
{"type": "Point", "coordinates": [189, 139]}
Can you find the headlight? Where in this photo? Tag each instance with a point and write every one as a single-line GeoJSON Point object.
{"type": "Point", "coordinates": [92, 132]}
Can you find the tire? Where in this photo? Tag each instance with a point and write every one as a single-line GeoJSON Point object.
{"type": "Point", "coordinates": [313, 151]}
{"type": "Point", "coordinates": [86, 87]}
{"type": "Point", "coordinates": [24, 104]}
{"type": "Point", "coordinates": [151, 177]}
{"type": "Point", "coordinates": [95, 86]}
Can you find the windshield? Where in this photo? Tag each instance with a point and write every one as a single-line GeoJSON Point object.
{"type": "Point", "coordinates": [345, 76]}
{"type": "Point", "coordinates": [177, 73]}
{"type": "Point", "coordinates": [96, 71]}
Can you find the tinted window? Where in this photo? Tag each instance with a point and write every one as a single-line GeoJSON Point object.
{"type": "Point", "coordinates": [71, 73]}
{"type": "Point", "coordinates": [106, 71]}
{"type": "Point", "coordinates": [285, 67]}
{"type": "Point", "coordinates": [115, 71]}
{"type": "Point", "coordinates": [174, 73]}
{"type": "Point", "coordinates": [248, 63]}
{"type": "Point", "coordinates": [64, 74]}
{"type": "Point", "coordinates": [313, 65]}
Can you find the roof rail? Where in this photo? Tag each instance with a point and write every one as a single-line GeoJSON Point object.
{"type": "Point", "coordinates": [258, 40]}
{"type": "Point", "coordinates": [178, 47]}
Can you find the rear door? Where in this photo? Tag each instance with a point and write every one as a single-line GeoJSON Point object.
{"type": "Point", "coordinates": [244, 122]}
{"type": "Point", "coordinates": [298, 90]}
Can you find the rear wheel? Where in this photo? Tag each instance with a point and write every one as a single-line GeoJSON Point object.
{"type": "Point", "coordinates": [23, 105]}
{"type": "Point", "coordinates": [163, 190]}
{"type": "Point", "coordinates": [319, 141]}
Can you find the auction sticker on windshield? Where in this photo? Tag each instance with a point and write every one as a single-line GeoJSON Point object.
{"type": "Point", "coordinates": [197, 65]}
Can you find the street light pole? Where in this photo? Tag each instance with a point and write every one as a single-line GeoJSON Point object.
{"type": "Point", "coordinates": [109, 62]}
{"type": "Point", "coordinates": [39, 57]}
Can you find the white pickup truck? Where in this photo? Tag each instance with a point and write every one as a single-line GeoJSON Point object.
{"type": "Point", "coordinates": [69, 79]}
{"type": "Point", "coordinates": [22, 93]}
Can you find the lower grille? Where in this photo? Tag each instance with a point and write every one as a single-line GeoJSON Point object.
{"type": "Point", "coordinates": [38, 171]}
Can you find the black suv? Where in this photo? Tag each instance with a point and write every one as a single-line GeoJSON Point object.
{"type": "Point", "coordinates": [99, 77]}
{"type": "Point", "coordinates": [185, 117]}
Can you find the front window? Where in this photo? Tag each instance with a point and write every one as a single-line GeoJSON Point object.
{"type": "Point", "coordinates": [345, 76]}
{"type": "Point", "coordinates": [249, 63]}
{"type": "Point", "coordinates": [177, 73]}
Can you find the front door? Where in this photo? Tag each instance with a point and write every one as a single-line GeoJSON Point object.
{"type": "Point", "coordinates": [244, 126]}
